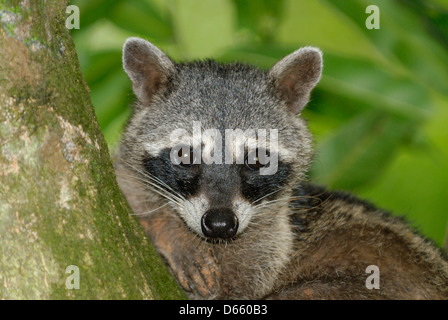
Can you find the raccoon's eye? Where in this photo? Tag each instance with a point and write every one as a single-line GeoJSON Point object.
{"type": "Point", "coordinates": [253, 160]}
{"type": "Point", "coordinates": [255, 165]}
{"type": "Point", "coordinates": [188, 158]}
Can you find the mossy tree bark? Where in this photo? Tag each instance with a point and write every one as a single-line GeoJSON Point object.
{"type": "Point", "coordinates": [59, 201]}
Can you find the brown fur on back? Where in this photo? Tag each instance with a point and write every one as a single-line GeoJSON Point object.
{"type": "Point", "coordinates": [338, 236]}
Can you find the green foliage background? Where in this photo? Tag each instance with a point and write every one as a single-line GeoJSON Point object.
{"type": "Point", "coordinates": [379, 115]}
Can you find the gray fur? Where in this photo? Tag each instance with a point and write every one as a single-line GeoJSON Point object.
{"type": "Point", "coordinates": [294, 242]}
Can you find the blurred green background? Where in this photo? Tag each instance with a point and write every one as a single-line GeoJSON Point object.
{"type": "Point", "coordinates": [379, 115]}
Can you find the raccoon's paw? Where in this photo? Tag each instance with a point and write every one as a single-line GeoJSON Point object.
{"type": "Point", "coordinates": [197, 272]}
{"type": "Point", "coordinates": [190, 259]}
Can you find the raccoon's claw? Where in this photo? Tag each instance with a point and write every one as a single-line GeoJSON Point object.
{"type": "Point", "coordinates": [194, 266]}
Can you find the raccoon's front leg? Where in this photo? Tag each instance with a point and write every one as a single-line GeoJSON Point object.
{"type": "Point", "coordinates": [190, 259]}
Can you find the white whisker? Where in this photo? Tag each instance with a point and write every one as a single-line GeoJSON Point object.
{"type": "Point", "coordinates": [148, 212]}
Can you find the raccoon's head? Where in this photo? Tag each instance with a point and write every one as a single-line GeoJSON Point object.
{"type": "Point", "coordinates": [218, 141]}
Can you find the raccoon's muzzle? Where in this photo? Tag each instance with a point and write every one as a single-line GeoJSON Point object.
{"type": "Point", "coordinates": [219, 223]}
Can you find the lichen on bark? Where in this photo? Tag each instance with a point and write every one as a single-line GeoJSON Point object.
{"type": "Point", "coordinates": [59, 201]}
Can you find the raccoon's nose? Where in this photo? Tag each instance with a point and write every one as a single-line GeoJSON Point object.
{"type": "Point", "coordinates": [219, 223]}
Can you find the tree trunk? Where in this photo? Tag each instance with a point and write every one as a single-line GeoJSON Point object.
{"type": "Point", "coordinates": [60, 205]}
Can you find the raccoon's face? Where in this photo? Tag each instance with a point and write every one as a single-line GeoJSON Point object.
{"type": "Point", "coordinates": [219, 141]}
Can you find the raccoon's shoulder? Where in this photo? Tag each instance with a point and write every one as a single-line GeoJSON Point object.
{"type": "Point", "coordinates": [315, 207]}
{"type": "Point", "coordinates": [316, 212]}
{"type": "Point", "coordinates": [310, 201]}
{"type": "Point", "coordinates": [313, 196]}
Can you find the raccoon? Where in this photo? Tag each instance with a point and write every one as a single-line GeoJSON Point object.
{"type": "Point", "coordinates": [225, 229]}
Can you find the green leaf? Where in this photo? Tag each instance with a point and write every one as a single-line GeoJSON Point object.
{"type": "Point", "coordinates": [358, 153]}
{"type": "Point", "coordinates": [92, 10]}
{"type": "Point", "coordinates": [111, 97]}
{"type": "Point", "coordinates": [372, 85]}
{"type": "Point", "coordinates": [112, 131]}
{"type": "Point", "coordinates": [402, 38]}
{"type": "Point", "coordinates": [202, 28]}
{"type": "Point", "coordinates": [142, 18]}
{"type": "Point", "coordinates": [261, 17]}
{"type": "Point", "coordinates": [101, 65]}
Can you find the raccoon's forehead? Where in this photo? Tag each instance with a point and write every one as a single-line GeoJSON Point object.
{"type": "Point", "coordinates": [218, 97]}
{"type": "Point", "coordinates": [221, 108]}
{"type": "Point", "coordinates": [229, 95]}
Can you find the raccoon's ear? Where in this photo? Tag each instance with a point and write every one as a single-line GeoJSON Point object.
{"type": "Point", "coordinates": [296, 75]}
{"type": "Point", "coordinates": [149, 69]}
